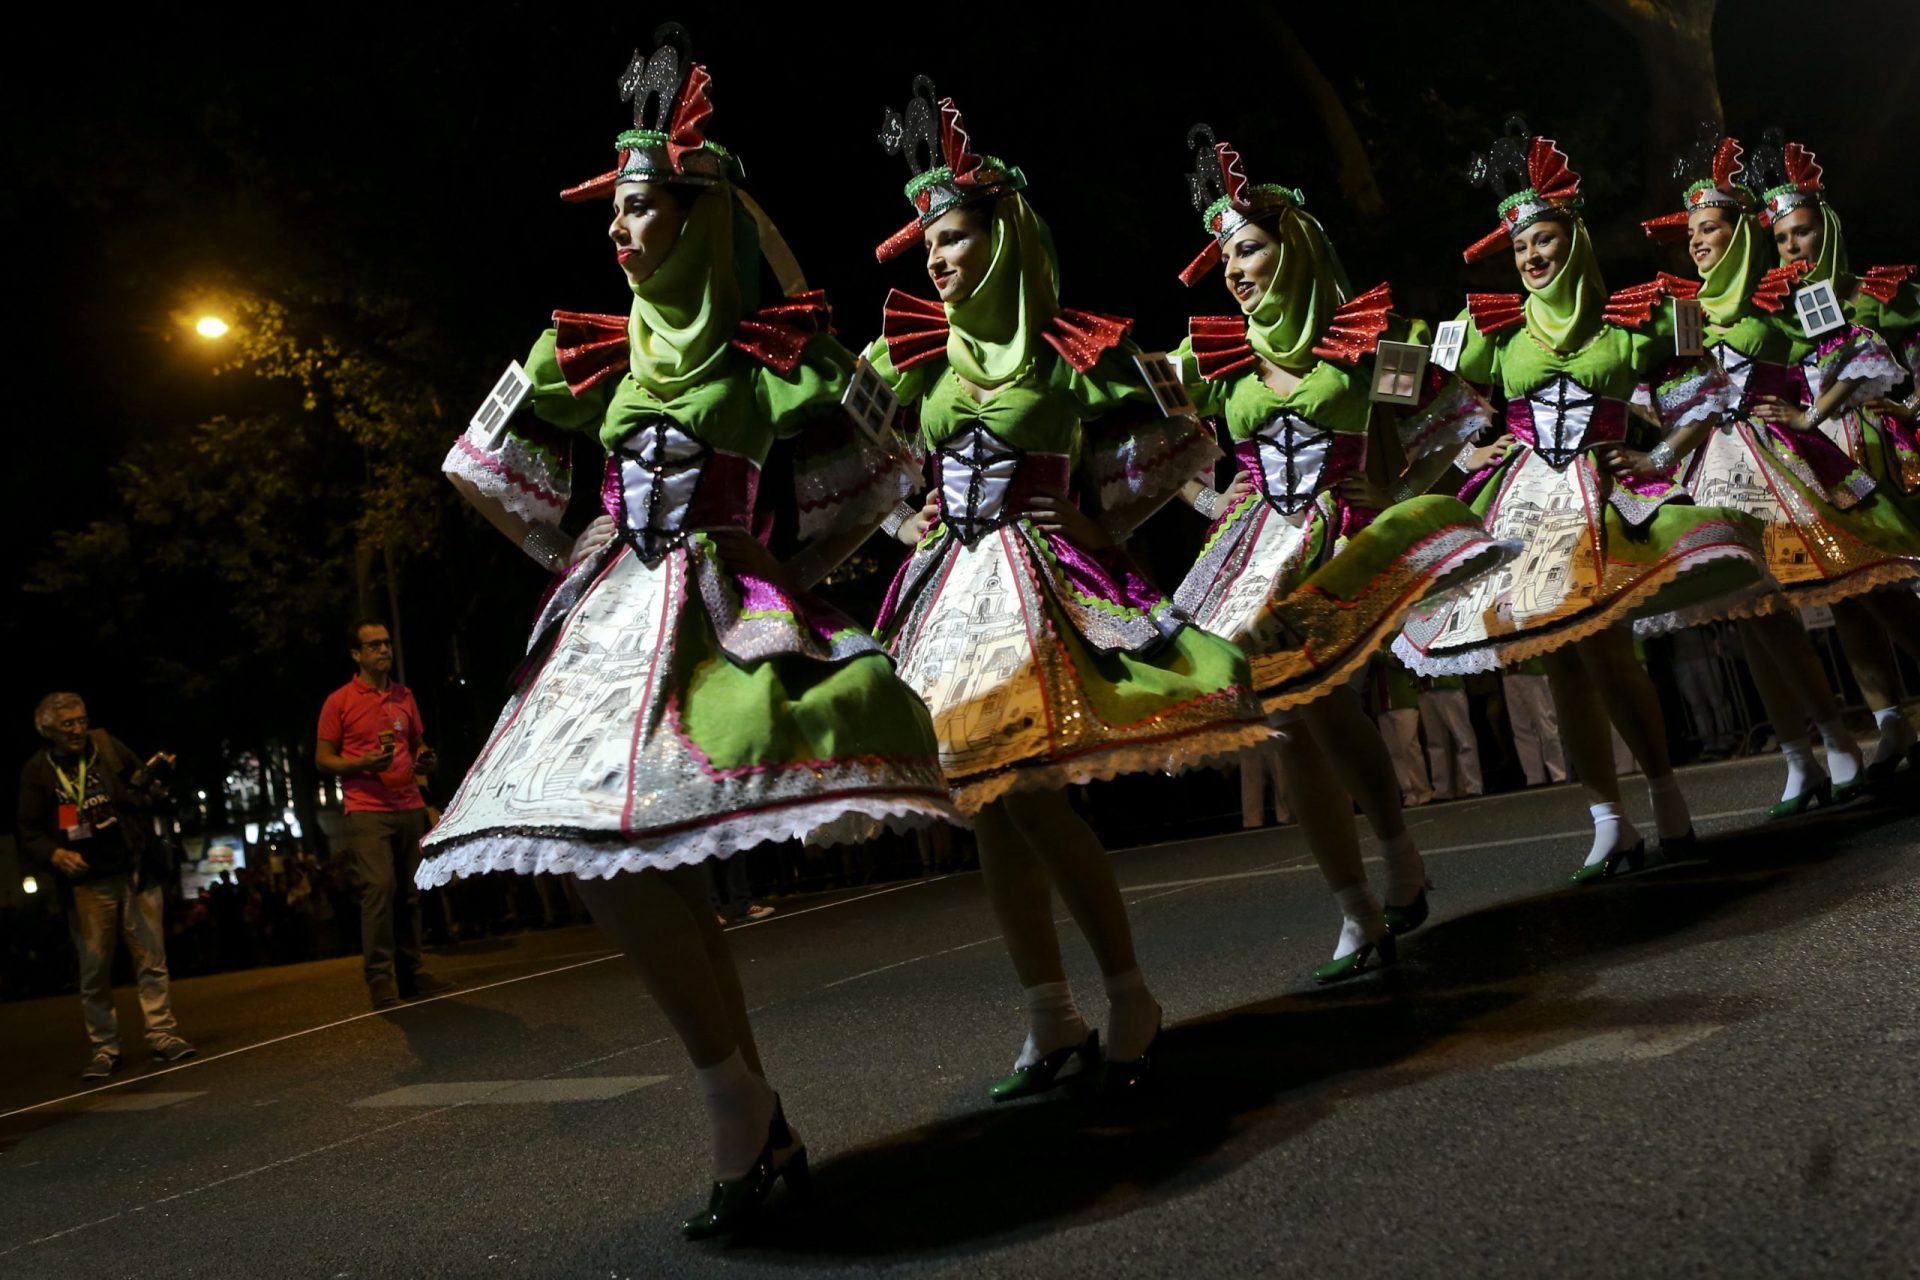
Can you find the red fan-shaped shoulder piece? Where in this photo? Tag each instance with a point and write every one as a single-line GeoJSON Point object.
{"type": "Point", "coordinates": [1677, 286]}
{"type": "Point", "coordinates": [1633, 306]}
{"type": "Point", "coordinates": [1492, 312]}
{"type": "Point", "coordinates": [914, 329]}
{"type": "Point", "coordinates": [1354, 330]}
{"type": "Point", "coordinates": [1082, 337]}
{"type": "Point", "coordinates": [777, 334]}
{"type": "Point", "coordinates": [589, 348]}
{"type": "Point", "coordinates": [1219, 345]}
{"type": "Point", "coordinates": [1770, 294]}
{"type": "Point", "coordinates": [1882, 283]}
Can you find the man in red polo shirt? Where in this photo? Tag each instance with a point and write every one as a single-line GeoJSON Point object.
{"type": "Point", "coordinates": [371, 738]}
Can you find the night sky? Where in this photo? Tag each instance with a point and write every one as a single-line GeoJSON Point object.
{"type": "Point", "coordinates": [150, 160]}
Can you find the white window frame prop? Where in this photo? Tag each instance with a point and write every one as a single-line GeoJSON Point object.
{"type": "Point", "coordinates": [1818, 308]}
{"type": "Point", "coordinates": [489, 421]}
{"type": "Point", "coordinates": [1399, 372]}
{"type": "Point", "coordinates": [1689, 327]}
{"type": "Point", "coordinates": [1163, 379]}
{"type": "Point", "coordinates": [869, 400]}
{"type": "Point", "coordinates": [1449, 339]}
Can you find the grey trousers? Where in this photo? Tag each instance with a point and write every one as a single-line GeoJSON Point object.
{"type": "Point", "coordinates": [101, 910]}
{"type": "Point", "coordinates": [385, 848]}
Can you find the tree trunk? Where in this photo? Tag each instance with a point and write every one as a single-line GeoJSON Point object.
{"type": "Point", "coordinates": [1355, 172]}
{"type": "Point", "coordinates": [1683, 85]}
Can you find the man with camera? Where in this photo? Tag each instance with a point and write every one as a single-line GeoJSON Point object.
{"type": "Point", "coordinates": [371, 738]}
{"type": "Point", "coordinates": [85, 804]}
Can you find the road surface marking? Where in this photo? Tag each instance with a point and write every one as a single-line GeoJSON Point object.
{"type": "Point", "coordinates": [1623, 1044]}
{"type": "Point", "coordinates": [450, 1093]}
{"type": "Point", "coordinates": [414, 1004]}
{"type": "Point", "coordinates": [140, 1101]}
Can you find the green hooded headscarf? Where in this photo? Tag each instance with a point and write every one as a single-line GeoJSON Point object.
{"type": "Point", "coordinates": [685, 313]}
{"type": "Point", "coordinates": [1565, 313]}
{"type": "Point", "coordinates": [1308, 287]}
{"type": "Point", "coordinates": [995, 329]}
{"type": "Point", "coordinates": [1832, 264]}
{"type": "Point", "coordinates": [1728, 284]}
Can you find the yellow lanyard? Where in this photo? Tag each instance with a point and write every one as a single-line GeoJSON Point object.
{"type": "Point", "coordinates": [76, 791]}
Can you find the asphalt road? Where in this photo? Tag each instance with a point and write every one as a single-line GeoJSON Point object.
{"type": "Point", "coordinates": [1705, 1069]}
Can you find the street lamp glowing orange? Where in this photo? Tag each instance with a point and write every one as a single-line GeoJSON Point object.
{"type": "Point", "coordinates": [210, 327]}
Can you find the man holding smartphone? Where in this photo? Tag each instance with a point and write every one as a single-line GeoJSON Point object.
{"type": "Point", "coordinates": [371, 737]}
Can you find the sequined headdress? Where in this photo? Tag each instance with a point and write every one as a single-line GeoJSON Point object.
{"type": "Point", "coordinates": [1789, 176]}
{"type": "Point", "coordinates": [1226, 200]}
{"type": "Point", "coordinates": [1536, 173]}
{"type": "Point", "coordinates": [946, 169]}
{"type": "Point", "coordinates": [1712, 170]}
{"type": "Point", "coordinates": [668, 141]}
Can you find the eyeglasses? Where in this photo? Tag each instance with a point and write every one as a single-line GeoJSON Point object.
{"type": "Point", "coordinates": [376, 644]}
{"type": "Point", "coordinates": [72, 724]}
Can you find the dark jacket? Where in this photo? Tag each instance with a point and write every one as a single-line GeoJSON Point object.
{"type": "Point", "coordinates": [132, 797]}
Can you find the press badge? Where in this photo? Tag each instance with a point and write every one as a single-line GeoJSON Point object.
{"type": "Point", "coordinates": [71, 824]}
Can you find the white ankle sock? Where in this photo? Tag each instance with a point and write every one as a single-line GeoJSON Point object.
{"type": "Point", "coordinates": [1611, 831]}
{"type": "Point", "coordinates": [1053, 1022]}
{"type": "Point", "coordinates": [1843, 752]}
{"type": "Point", "coordinates": [1406, 870]}
{"type": "Point", "coordinates": [1362, 921]}
{"type": "Point", "coordinates": [1896, 735]}
{"type": "Point", "coordinates": [1670, 816]}
{"type": "Point", "coordinates": [1133, 1015]}
{"type": "Point", "coordinates": [740, 1104]}
{"type": "Point", "coordinates": [1803, 771]}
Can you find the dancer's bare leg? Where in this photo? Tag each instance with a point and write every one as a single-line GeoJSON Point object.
{"type": "Point", "coordinates": [1794, 687]}
{"type": "Point", "coordinates": [1061, 849]}
{"type": "Point", "coordinates": [1633, 705]}
{"type": "Point", "coordinates": [1325, 814]}
{"type": "Point", "coordinates": [665, 924]}
{"type": "Point", "coordinates": [1351, 744]}
{"type": "Point", "coordinates": [1586, 731]}
{"type": "Point", "coordinates": [1021, 895]}
{"type": "Point", "coordinates": [1869, 626]}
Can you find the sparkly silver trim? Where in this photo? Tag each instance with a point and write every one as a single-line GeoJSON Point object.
{"type": "Point", "coordinates": [549, 547]}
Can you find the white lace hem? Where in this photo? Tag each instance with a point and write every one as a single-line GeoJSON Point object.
{"type": "Point", "coordinates": [1494, 655]}
{"type": "Point", "coordinates": [1773, 597]}
{"type": "Point", "coordinates": [831, 821]}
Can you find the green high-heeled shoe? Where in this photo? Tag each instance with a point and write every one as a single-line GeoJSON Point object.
{"type": "Point", "coordinates": [1609, 866]}
{"type": "Point", "coordinates": [736, 1202]}
{"type": "Point", "coordinates": [1406, 919]}
{"type": "Point", "coordinates": [1383, 950]}
{"type": "Point", "coordinates": [1822, 793]}
{"type": "Point", "coordinates": [1041, 1076]}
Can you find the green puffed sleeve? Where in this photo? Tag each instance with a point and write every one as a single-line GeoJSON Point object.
{"type": "Point", "coordinates": [910, 385]}
{"type": "Point", "coordinates": [1210, 398]}
{"type": "Point", "coordinates": [1114, 382]}
{"type": "Point", "coordinates": [816, 385]}
{"type": "Point", "coordinates": [1479, 355]}
{"type": "Point", "coordinates": [552, 400]}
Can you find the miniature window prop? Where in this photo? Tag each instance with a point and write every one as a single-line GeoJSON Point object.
{"type": "Point", "coordinates": [1688, 328]}
{"type": "Point", "coordinates": [1448, 340]}
{"type": "Point", "coordinates": [1163, 379]}
{"type": "Point", "coordinates": [1399, 372]}
{"type": "Point", "coordinates": [1818, 308]}
{"type": "Point", "coordinates": [508, 394]}
{"type": "Point", "coordinates": [869, 401]}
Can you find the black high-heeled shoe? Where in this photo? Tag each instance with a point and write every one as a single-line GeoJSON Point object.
{"type": "Point", "coordinates": [736, 1202]}
{"type": "Point", "coordinates": [1039, 1077]}
{"type": "Point", "coordinates": [1676, 848]}
{"type": "Point", "coordinates": [1607, 867]}
{"type": "Point", "coordinates": [1409, 917]}
{"type": "Point", "coordinates": [1120, 1081]}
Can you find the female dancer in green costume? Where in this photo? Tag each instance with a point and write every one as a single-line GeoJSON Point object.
{"type": "Point", "coordinates": [1044, 656]}
{"type": "Point", "coordinates": [1829, 535]}
{"type": "Point", "coordinates": [1601, 548]}
{"type": "Point", "coordinates": [687, 698]}
{"type": "Point", "coordinates": [1302, 568]}
{"type": "Point", "coordinates": [1881, 435]}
